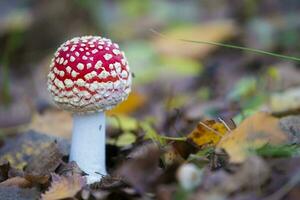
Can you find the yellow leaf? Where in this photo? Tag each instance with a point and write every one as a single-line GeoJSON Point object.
{"type": "Point", "coordinates": [208, 132]}
{"type": "Point", "coordinates": [64, 187]}
{"type": "Point", "coordinates": [216, 31]}
{"type": "Point", "coordinates": [254, 132]}
{"type": "Point", "coordinates": [134, 101]}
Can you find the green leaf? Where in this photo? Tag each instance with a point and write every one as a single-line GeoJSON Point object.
{"type": "Point", "coordinates": [276, 151]}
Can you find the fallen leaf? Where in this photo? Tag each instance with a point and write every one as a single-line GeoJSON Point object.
{"type": "Point", "coordinates": [215, 31]}
{"type": "Point", "coordinates": [53, 122]}
{"type": "Point", "coordinates": [16, 181]}
{"type": "Point", "coordinates": [254, 132]}
{"type": "Point", "coordinates": [208, 132]}
{"type": "Point", "coordinates": [21, 148]}
{"type": "Point", "coordinates": [134, 101]}
{"type": "Point", "coordinates": [37, 171]}
{"type": "Point", "coordinates": [64, 187]}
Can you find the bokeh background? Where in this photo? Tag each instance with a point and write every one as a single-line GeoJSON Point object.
{"type": "Point", "coordinates": [175, 83]}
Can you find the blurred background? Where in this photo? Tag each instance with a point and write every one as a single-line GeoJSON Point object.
{"type": "Point", "coordinates": [175, 83]}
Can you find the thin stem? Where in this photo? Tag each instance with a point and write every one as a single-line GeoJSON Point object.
{"type": "Point", "coordinates": [258, 51]}
{"type": "Point", "coordinates": [173, 138]}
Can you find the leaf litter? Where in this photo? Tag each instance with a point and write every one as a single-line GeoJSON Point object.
{"type": "Point", "coordinates": [168, 140]}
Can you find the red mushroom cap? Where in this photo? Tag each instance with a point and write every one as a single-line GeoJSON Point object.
{"type": "Point", "coordinates": [89, 74]}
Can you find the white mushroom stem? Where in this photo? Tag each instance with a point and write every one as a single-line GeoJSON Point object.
{"type": "Point", "coordinates": [88, 145]}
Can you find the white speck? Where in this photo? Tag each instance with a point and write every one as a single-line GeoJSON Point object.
{"type": "Point", "coordinates": [98, 64]}
{"type": "Point", "coordinates": [113, 73]}
{"type": "Point", "coordinates": [106, 48]}
{"type": "Point", "coordinates": [80, 66]}
{"type": "Point", "coordinates": [94, 51]}
{"type": "Point", "coordinates": [68, 55]}
{"type": "Point", "coordinates": [116, 45]}
{"type": "Point", "coordinates": [89, 65]}
{"type": "Point", "coordinates": [65, 48]}
{"type": "Point", "coordinates": [61, 73]}
{"type": "Point", "coordinates": [57, 60]}
{"type": "Point", "coordinates": [81, 49]}
{"type": "Point", "coordinates": [68, 69]}
{"type": "Point", "coordinates": [72, 58]}
{"type": "Point", "coordinates": [123, 61]}
{"type": "Point", "coordinates": [83, 45]}
{"type": "Point", "coordinates": [84, 58]}
{"type": "Point", "coordinates": [124, 74]}
{"type": "Point", "coordinates": [77, 53]}
{"type": "Point", "coordinates": [73, 48]}
{"type": "Point", "coordinates": [116, 51]}
{"type": "Point", "coordinates": [86, 48]}
{"type": "Point", "coordinates": [90, 75]}
{"type": "Point", "coordinates": [107, 56]}
{"type": "Point", "coordinates": [91, 58]}
{"type": "Point", "coordinates": [75, 90]}
{"type": "Point", "coordinates": [117, 65]}
{"type": "Point", "coordinates": [61, 60]}
{"type": "Point", "coordinates": [74, 74]}
{"type": "Point", "coordinates": [80, 82]}
{"type": "Point", "coordinates": [51, 75]}
{"type": "Point", "coordinates": [87, 53]}
{"type": "Point", "coordinates": [51, 65]}
{"type": "Point", "coordinates": [65, 62]}
{"type": "Point", "coordinates": [100, 47]}
{"type": "Point", "coordinates": [103, 74]}
{"type": "Point", "coordinates": [55, 70]}
{"type": "Point", "coordinates": [92, 45]}
{"type": "Point", "coordinates": [111, 66]}
{"type": "Point", "coordinates": [59, 84]}
{"type": "Point", "coordinates": [69, 83]}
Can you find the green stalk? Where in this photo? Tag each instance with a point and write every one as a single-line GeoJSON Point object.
{"type": "Point", "coordinates": [173, 138]}
{"type": "Point", "coordinates": [257, 51]}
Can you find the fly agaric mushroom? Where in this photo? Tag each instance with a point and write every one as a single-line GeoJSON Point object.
{"type": "Point", "coordinates": [89, 75]}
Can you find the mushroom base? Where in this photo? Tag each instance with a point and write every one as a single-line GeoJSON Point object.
{"type": "Point", "coordinates": [88, 145]}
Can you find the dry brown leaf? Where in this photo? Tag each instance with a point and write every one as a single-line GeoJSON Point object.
{"type": "Point", "coordinates": [53, 122]}
{"type": "Point", "coordinates": [64, 187]}
{"type": "Point", "coordinates": [254, 132]}
{"type": "Point", "coordinates": [39, 172]}
{"type": "Point", "coordinates": [134, 101]}
{"type": "Point", "coordinates": [208, 132]}
{"type": "Point", "coordinates": [16, 181]}
{"type": "Point", "coordinates": [216, 31]}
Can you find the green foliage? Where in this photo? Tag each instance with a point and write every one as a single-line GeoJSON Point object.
{"type": "Point", "coordinates": [278, 150]}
